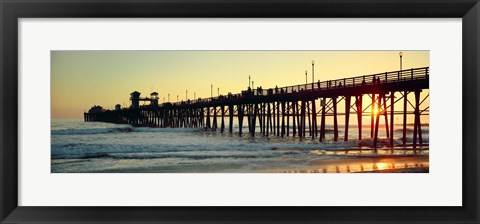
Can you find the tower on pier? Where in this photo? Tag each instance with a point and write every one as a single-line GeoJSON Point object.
{"type": "Point", "coordinates": [135, 98]}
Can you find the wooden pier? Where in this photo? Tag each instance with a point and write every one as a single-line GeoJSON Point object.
{"type": "Point", "coordinates": [293, 110]}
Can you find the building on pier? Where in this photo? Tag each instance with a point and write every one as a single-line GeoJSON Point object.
{"type": "Point", "coordinates": [154, 99]}
{"type": "Point", "coordinates": [135, 98]}
{"type": "Point", "coordinates": [96, 109]}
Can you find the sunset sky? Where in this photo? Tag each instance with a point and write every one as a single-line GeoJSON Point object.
{"type": "Point", "coordinates": [81, 79]}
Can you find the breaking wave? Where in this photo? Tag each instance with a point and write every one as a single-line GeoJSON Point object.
{"type": "Point", "coordinates": [128, 129]}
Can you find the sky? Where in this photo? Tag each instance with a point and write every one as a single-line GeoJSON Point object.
{"type": "Point", "coordinates": [81, 79]}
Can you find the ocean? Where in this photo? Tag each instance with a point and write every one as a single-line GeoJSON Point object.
{"type": "Point", "coordinates": [92, 147]}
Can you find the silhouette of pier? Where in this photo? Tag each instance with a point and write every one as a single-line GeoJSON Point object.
{"type": "Point", "coordinates": [291, 110]}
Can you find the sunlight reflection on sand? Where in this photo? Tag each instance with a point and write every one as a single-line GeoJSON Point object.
{"type": "Point", "coordinates": [385, 161]}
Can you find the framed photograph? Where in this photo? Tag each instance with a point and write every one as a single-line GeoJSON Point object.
{"type": "Point", "coordinates": [205, 132]}
{"type": "Point", "coordinates": [248, 112]}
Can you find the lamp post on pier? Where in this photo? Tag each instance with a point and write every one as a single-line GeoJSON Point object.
{"type": "Point", "coordinates": [169, 97]}
{"type": "Point", "coordinates": [249, 81]}
{"type": "Point", "coordinates": [186, 95]}
{"type": "Point", "coordinates": [218, 91]}
{"type": "Point", "coordinates": [211, 90]}
{"type": "Point", "coordinates": [401, 56]}
{"type": "Point", "coordinates": [313, 71]}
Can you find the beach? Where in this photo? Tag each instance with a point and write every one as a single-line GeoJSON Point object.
{"type": "Point", "coordinates": [408, 163]}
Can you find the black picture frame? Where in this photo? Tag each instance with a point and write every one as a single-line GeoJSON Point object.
{"type": "Point", "coordinates": [12, 10]}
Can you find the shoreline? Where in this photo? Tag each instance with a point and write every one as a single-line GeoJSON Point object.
{"type": "Point", "coordinates": [355, 164]}
{"type": "Point", "coordinates": [313, 162]}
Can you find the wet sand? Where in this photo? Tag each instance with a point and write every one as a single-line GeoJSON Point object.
{"type": "Point", "coordinates": [367, 164]}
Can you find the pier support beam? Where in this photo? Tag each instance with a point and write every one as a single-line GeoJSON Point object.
{"type": "Point", "coordinates": [385, 114]}
{"type": "Point", "coordinates": [392, 112]}
{"type": "Point", "coordinates": [314, 120]}
{"type": "Point", "coordinates": [214, 126]}
{"type": "Point", "coordinates": [230, 120]}
{"type": "Point", "coordinates": [405, 101]}
{"type": "Point", "coordinates": [299, 119]}
{"type": "Point", "coordinates": [254, 120]}
{"type": "Point", "coordinates": [372, 116]}
{"type": "Point", "coordinates": [322, 121]}
{"type": "Point", "coordinates": [377, 121]}
{"type": "Point", "coordinates": [274, 132]}
{"type": "Point", "coordinates": [303, 129]}
{"type": "Point", "coordinates": [269, 118]}
{"type": "Point", "coordinates": [310, 132]}
{"type": "Point", "coordinates": [294, 112]}
{"type": "Point", "coordinates": [250, 118]}
{"type": "Point", "coordinates": [240, 118]}
{"type": "Point", "coordinates": [278, 118]}
{"type": "Point", "coordinates": [208, 118]}
{"type": "Point", "coordinates": [416, 124]}
{"type": "Point", "coordinates": [264, 120]}
{"type": "Point", "coordinates": [222, 125]}
{"type": "Point", "coordinates": [283, 118]}
{"type": "Point", "coordinates": [359, 106]}
{"type": "Point", "coordinates": [258, 113]}
{"type": "Point", "coordinates": [335, 123]}
{"type": "Point", "coordinates": [288, 118]}
{"type": "Point", "coordinates": [347, 116]}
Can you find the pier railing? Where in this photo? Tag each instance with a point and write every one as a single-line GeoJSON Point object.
{"type": "Point", "coordinates": [365, 80]}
